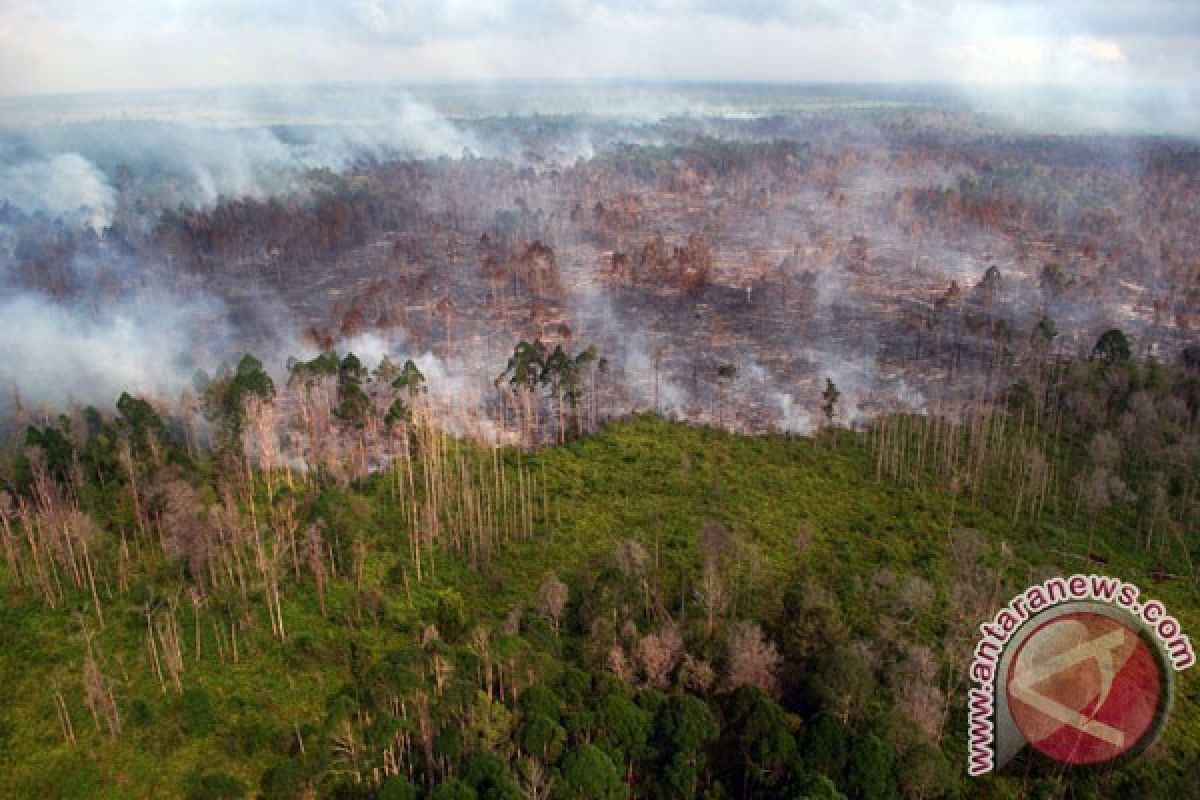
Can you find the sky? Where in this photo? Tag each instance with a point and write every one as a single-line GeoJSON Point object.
{"type": "Point", "coordinates": [67, 46]}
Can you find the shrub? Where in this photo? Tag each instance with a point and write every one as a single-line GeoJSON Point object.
{"type": "Point", "coordinates": [397, 787]}
{"type": "Point", "coordinates": [245, 738]}
{"type": "Point", "coordinates": [451, 615]}
{"type": "Point", "coordinates": [213, 786]}
{"type": "Point", "coordinates": [284, 780]}
{"type": "Point", "coordinates": [140, 713]}
{"type": "Point", "coordinates": [198, 716]}
{"type": "Point", "coordinates": [453, 789]}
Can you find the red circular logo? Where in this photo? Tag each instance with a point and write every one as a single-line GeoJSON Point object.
{"type": "Point", "coordinates": [1084, 688]}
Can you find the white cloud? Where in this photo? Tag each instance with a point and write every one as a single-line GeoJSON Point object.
{"type": "Point", "coordinates": [57, 45]}
{"type": "Point", "coordinates": [1105, 50]}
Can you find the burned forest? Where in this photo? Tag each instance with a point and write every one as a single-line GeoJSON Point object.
{"type": "Point", "coordinates": [722, 271]}
{"type": "Point", "coordinates": [509, 444]}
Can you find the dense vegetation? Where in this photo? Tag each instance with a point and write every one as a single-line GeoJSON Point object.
{"type": "Point", "coordinates": [656, 610]}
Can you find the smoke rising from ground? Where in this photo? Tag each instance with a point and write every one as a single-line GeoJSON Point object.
{"type": "Point", "coordinates": [65, 185]}
{"type": "Point", "coordinates": [132, 321]}
{"type": "Point", "coordinates": [77, 163]}
{"type": "Point", "coordinates": [58, 355]}
{"type": "Point", "coordinates": [91, 174]}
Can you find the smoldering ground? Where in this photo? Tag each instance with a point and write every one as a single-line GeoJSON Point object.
{"type": "Point", "coordinates": [138, 321]}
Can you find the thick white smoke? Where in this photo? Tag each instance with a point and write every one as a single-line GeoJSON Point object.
{"type": "Point", "coordinates": [57, 355]}
{"type": "Point", "coordinates": [72, 167]}
{"type": "Point", "coordinates": [63, 185]}
{"type": "Point", "coordinates": [81, 172]}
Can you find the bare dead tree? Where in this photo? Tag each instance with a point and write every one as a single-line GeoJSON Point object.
{"type": "Point", "coordinates": [552, 599]}
{"type": "Point", "coordinates": [314, 551]}
{"type": "Point", "coordinates": [753, 660]}
{"type": "Point", "coordinates": [659, 654]}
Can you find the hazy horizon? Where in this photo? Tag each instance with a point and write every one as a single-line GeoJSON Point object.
{"type": "Point", "coordinates": [1142, 110]}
